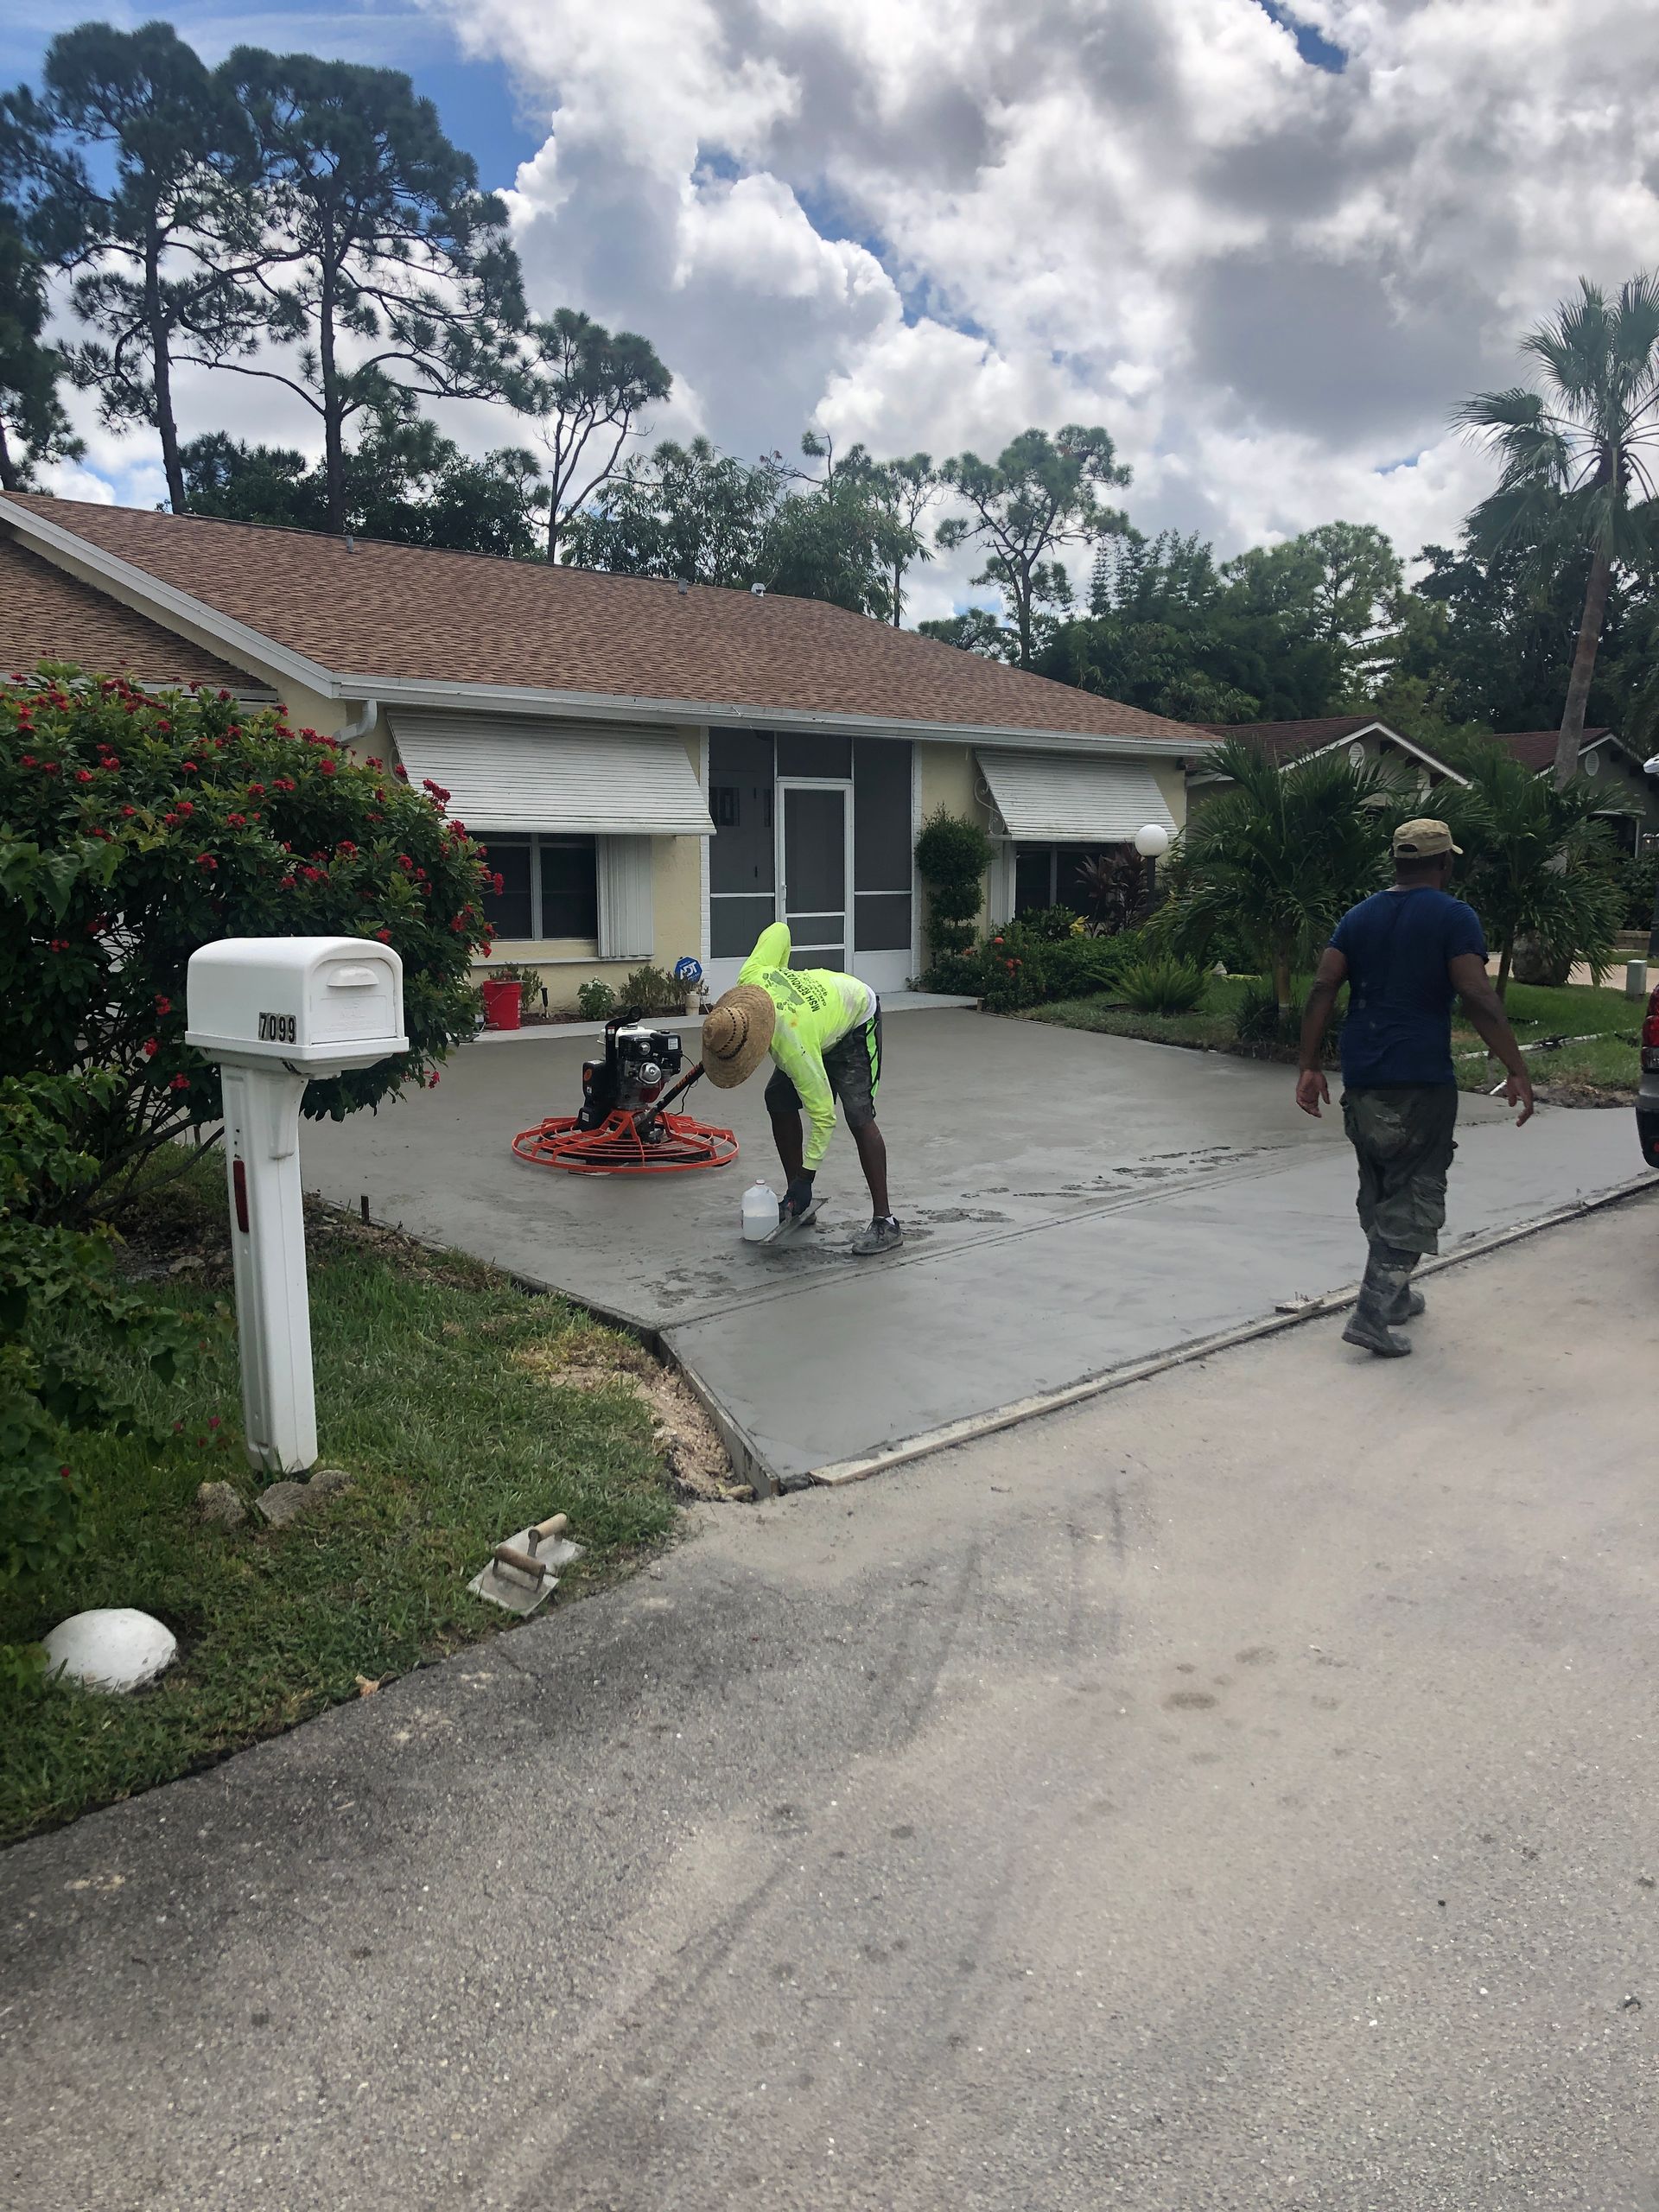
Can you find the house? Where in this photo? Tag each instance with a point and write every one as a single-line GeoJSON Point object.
{"type": "Point", "coordinates": [1632, 808]}
{"type": "Point", "coordinates": [660, 770]}
{"type": "Point", "coordinates": [1367, 740]}
{"type": "Point", "coordinates": [1632, 795]}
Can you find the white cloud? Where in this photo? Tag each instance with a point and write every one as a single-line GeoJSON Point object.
{"type": "Point", "coordinates": [928, 223]}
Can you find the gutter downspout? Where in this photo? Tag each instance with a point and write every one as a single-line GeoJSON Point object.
{"type": "Point", "coordinates": [367, 720]}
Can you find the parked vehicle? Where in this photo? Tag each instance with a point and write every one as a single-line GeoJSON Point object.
{"type": "Point", "coordinates": [1647, 1097]}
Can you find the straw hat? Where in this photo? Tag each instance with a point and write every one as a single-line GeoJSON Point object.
{"type": "Point", "coordinates": [736, 1034]}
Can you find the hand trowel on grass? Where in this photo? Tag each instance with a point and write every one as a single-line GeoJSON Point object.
{"type": "Point", "coordinates": [519, 1574]}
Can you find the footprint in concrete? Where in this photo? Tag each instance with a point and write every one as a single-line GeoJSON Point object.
{"type": "Point", "coordinates": [1189, 1701]}
{"type": "Point", "coordinates": [1256, 1654]}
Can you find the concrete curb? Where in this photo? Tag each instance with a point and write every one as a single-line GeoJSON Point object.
{"type": "Point", "coordinates": [1117, 1378]}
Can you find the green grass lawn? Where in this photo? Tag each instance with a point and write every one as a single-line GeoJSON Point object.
{"type": "Point", "coordinates": [1607, 1067]}
{"type": "Point", "coordinates": [438, 1391]}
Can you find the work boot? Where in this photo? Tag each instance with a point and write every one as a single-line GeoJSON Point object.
{"type": "Point", "coordinates": [883, 1234]}
{"type": "Point", "coordinates": [1407, 1306]}
{"type": "Point", "coordinates": [1384, 1297]}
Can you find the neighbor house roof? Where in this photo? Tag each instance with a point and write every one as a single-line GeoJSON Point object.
{"type": "Point", "coordinates": [47, 615]}
{"type": "Point", "coordinates": [1289, 740]}
{"type": "Point", "coordinates": [359, 619]}
{"type": "Point", "coordinates": [1535, 748]}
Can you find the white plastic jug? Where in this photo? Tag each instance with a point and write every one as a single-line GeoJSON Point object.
{"type": "Point", "coordinates": [759, 1213]}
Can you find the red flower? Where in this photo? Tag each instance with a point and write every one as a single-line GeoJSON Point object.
{"type": "Point", "coordinates": [235, 822]}
{"type": "Point", "coordinates": [205, 860]}
{"type": "Point", "coordinates": [187, 805]}
{"type": "Point", "coordinates": [152, 1045]}
{"type": "Point", "coordinates": [432, 1081]}
{"type": "Point", "coordinates": [29, 761]}
{"type": "Point", "coordinates": [48, 767]}
{"type": "Point", "coordinates": [325, 767]}
{"type": "Point", "coordinates": [312, 874]}
{"type": "Point", "coordinates": [287, 883]}
{"type": "Point", "coordinates": [60, 945]}
{"type": "Point", "coordinates": [223, 695]}
{"type": "Point", "coordinates": [256, 790]}
{"type": "Point", "coordinates": [213, 1421]}
{"type": "Point", "coordinates": [401, 772]}
{"type": "Point", "coordinates": [163, 1004]}
{"type": "Point", "coordinates": [345, 846]}
{"type": "Point", "coordinates": [180, 1083]}
{"type": "Point", "coordinates": [996, 940]}
{"type": "Point", "coordinates": [384, 936]}
{"type": "Point", "coordinates": [129, 812]}
{"type": "Point", "coordinates": [166, 729]}
{"type": "Point", "coordinates": [82, 775]}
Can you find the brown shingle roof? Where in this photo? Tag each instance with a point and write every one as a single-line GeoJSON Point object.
{"type": "Point", "coordinates": [47, 615]}
{"type": "Point", "coordinates": [1289, 740]}
{"type": "Point", "coordinates": [401, 612]}
{"type": "Point", "coordinates": [1535, 748]}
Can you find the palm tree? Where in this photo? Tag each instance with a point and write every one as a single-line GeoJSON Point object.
{"type": "Point", "coordinates": [1537, 859]}
{"type": "Point", "coordinates": [1575, 457]}
{"type": "Point", "coordinates": [1274, 861]}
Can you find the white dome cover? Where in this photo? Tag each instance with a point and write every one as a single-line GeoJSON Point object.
{"type": "Point", "coordinates": [112, 1648]}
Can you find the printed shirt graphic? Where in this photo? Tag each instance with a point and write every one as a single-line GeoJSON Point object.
{"type": "Point", "coordinates": [1398, 945]}
{"type": "Point", "coordinates": [815, 1008]}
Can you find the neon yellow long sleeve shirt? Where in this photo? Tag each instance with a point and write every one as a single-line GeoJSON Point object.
{"type": "Point", "coordinates": [817, 1006]}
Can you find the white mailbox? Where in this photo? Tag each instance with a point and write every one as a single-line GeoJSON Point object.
{"type": "Point", "coordinates": [275, 1012]}
{"type": "Point", "coordinates": [315, 1005]}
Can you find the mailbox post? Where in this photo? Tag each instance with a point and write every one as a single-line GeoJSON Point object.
{"type": "Point", "coordinates": [275, 1012]}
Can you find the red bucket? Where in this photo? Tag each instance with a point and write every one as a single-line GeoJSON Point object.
{"type": "Point", "coordinates": [504, 1003]}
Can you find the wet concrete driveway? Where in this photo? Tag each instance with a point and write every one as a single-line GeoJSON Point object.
{"type": "Point", "coordinates": [1072, 1204]}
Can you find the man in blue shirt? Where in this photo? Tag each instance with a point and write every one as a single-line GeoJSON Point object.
{"type": "Point", "coordinates": [1405, 955]}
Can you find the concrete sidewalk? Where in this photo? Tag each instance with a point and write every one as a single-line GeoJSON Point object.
{"type": "Point", "coordinates": [1073, 1204]}
{"type": "Point", "coordinates": [1237, 1792]}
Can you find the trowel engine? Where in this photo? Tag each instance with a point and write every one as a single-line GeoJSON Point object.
{"type": "Point", "coordinates": [638, 1062]}
{"type": "Point", "coordinates": [624, 1127]}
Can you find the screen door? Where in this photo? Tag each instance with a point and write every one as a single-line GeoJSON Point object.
{"type": "Point", "coordinates": [814, 878]}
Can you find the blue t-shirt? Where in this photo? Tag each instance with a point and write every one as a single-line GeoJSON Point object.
{"type": "Point", "coordinates": [1397, 945]}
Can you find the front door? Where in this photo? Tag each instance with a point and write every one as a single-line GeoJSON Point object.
{"type": "Point", "coordinates": [815, 894]}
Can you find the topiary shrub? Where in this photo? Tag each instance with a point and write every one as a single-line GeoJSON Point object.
{"type": "Point", "coordinates": [953, 854]}
{"type": "Point", "coordinates": [1162, 986]}
{"type": "Point", "coordinates": [134, 829]}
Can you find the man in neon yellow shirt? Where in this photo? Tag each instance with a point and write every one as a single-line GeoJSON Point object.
{"type": "Point", "coordinates": [824, 1032]}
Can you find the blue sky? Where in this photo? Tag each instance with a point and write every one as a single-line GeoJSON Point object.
{"type": "Point", "coordinates": [475, 98]}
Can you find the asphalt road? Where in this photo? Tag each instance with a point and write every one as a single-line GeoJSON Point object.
{"type": "Point", "coordinates": [1240, 1792]}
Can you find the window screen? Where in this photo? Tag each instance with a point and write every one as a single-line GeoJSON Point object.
{"type": "Point", "coordinates": [507, 911]}
{"type": "Point", "coordinates": [1033, 877]}
{"type": "Point", "coordinates": [740, 855]}
{"type": "Point", "coordinates": [570, 888]}
{"type": "Point", "coordinates": [881, 839]}
{"type": "Point", "coordinates": [814, 755]}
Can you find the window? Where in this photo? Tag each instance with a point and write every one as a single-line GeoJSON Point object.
{"type": "Point", "coordinates": [549, 887]}
{"type": "Point", "coordinates": [570, 888]}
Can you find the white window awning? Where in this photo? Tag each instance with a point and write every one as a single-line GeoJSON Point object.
{"type": "Point", "coordinates": [566, 779]}
{"type": "Point", "coordinates": [1061, 798]}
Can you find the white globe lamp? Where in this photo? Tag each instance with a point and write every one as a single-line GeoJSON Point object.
{"type": "Point", "coordinates": [1152, 842]}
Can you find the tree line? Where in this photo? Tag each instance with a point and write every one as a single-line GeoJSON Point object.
{"type": "Point", "coordinates": [308, 224]}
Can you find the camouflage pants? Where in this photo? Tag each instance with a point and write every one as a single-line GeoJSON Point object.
{"type": "Point", "coordinates": [1403, 1140]}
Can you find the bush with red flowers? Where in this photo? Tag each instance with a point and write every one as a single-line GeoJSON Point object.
{"type": "Point", "coordinates": [134, 828]}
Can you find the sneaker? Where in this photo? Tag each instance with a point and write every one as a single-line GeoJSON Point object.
{"type": "Point", "coordinates": [883, 1234]}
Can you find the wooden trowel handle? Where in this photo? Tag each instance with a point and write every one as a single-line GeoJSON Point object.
{"type": "Point", "coordinates": [505, 1555]}
{"type": "Point", "coordinates": [544, 1531]}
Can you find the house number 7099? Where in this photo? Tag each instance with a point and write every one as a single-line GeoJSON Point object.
{"type": "Point", "coordinates": [277, 1029]}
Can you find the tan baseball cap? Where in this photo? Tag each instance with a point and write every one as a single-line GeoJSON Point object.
{"type": "Point", "coordinates": [1423, 840]}
{"type": "Point", "coordinates": [736, 1034]}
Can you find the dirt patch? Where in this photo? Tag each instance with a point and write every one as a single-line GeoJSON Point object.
{"type": "Point", "coordinates": [591, 1359]}
{"type": "Point", "coordinates": [1571, 1092]}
